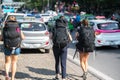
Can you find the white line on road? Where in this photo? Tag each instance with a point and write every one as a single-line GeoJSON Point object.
{"type": "Point", "coordinates": [93, 71]}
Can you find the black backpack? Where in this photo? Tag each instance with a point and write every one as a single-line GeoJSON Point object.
{"type": "Point", "coordinates": [61, 37]}
{"type": "Point", "coordinates": [11, 35]}
{"type": "Point", "coordinates": [86, 38]}
{"type": "Point", "coordinates": [61, 22]}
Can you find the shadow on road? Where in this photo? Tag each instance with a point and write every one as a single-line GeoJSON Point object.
{"type": "Point", "coordinates": [41, 71]}
{"type": "Point", "coordinates": [31, 51]}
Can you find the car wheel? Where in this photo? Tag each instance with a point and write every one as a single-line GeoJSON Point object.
{"type": "Point", "coordinates": [47, 50]}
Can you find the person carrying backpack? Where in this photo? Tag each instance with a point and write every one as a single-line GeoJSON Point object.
{"type": "Point", "coordinates": [11, 36]}
{"type": "Point", "coordinates": [61, 38]}
{"type": "Point", "coordinates": [86, 37]}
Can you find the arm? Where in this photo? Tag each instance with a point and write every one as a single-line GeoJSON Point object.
{"type": "Point", "coordinates": [1, 35]}
{"type": "Point", "coordinates": [76, 35]}
{"type": "Point", "coordinates": [22, 35]}
{"type": "Point", "coordinates": [70, 37]}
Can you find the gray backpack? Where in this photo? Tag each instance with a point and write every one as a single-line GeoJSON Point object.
{"type": "Point", "coordinates": [61, 37]}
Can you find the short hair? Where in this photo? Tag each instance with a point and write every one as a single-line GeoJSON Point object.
{"type": "Point", "coordinates": [13, 18]}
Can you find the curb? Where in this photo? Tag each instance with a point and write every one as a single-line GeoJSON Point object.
{"type": "Point", "coordinates": [91, 70]}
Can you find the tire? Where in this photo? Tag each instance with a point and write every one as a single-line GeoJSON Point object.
{"type": "Point", "coordinates": [47, 50]}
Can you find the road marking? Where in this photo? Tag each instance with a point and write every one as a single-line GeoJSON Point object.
{"type": "Point", "coordinates": [93, 71]}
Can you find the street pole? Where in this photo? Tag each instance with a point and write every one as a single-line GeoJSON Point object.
{"type": "Point", "coordinates": [48, 5]}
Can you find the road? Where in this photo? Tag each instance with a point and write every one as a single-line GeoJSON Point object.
{"type": "Point", "coordinates": [106, 60]}
{"type": "Point", "coordinates": [34, 64]}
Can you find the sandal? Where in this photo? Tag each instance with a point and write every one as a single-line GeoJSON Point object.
{"type": "Point", "coordinates": [7, 78]}
{"type": "Point", "coordinates": [84, 75]}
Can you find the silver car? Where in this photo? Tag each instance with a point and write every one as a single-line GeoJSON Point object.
{"type": "Point", "coordinates": [36, 35]}
{"type": "Point", "coordinates": [107, 32]}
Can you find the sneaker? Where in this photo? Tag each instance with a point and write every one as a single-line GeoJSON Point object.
{"type": "Point", "coordinates": [56, 78]}
{"type": "Point", "coordinates": [84, 75]}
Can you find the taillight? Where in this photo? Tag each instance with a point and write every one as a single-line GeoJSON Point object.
{"type": "Point", "coordinates": [97, 32]}
{"type": "Point", "coordinates": [99, 41]}
{"type": "Point", "coordinates": [47, 43]}
{"type": "Point", "coordinates": [46, 33]}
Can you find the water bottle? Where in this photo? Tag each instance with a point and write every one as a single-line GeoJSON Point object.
{"type": "Point", "coordinates": [13, 50]}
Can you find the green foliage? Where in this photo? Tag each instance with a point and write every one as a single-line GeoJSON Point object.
{"type": "Point", "coordinates": [38, 4]}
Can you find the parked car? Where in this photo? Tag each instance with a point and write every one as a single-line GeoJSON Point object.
{"type": "Point", "coordinates": [51, 22]}
{"type": "Point", "coordinates": [7, 9]}
{"type": "Point", "coordinates": [100, 17]}
{"type": "Point", "coordinates": [45, 17]}
{"type": "Point", "coordinates": [88, 17]}
{"type": "Point", "coordinates": [52, 13]}
{"type": "Point", "coordinates": [37, 16]}
{"type": "Point", "coordinates": [107, 32]}
{"type": "Point", "coordinates": [36, 35]}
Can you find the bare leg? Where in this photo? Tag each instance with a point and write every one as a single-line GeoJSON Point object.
{"type": "Point", "coordinates": [86, 55]}
{"type": "Point", "coordinates": [82, 61]}
{"type": "Point", "coordinates": [7, 66]}
{"type": "Point", "coordinates": [14, 66]}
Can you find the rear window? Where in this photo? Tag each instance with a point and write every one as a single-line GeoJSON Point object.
{"type": "Point", "coordinates": [45, 15]}
{"type": "Point", "coordinates": [18, 17]}
{"type": "Point", "coordinates": [108, 26]}
{"type": "Point", "coordinates": [32, 26]}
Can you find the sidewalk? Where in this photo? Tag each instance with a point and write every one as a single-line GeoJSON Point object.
{"type": "Point", "coordinates": [38, 66]}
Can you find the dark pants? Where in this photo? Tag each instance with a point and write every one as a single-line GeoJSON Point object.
{"type": "Point", "coordinates": [60, 56]}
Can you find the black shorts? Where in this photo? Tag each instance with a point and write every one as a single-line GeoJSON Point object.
{"type": "Point", "coordinates": [81, 48]}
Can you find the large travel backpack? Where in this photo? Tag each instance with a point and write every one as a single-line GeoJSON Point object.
{"type": "Point", "coordinates": [11, 34]}
{"type": "Point", "coordinates": [86, 39]}
{"type": "Point", "coordinates": [61, 37]}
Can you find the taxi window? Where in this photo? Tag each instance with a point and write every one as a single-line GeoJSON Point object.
{"type": "Point", "coordinates": [108, 26]}
{"type": "Point", "coordinates": [29, 18]}
{"type": "Point", "coordinates": [18, 17]}
{"type": "Point", "coordinates": [32, 26]}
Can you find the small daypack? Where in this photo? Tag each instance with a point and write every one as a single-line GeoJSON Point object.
{"type": "Point", "coordinates": [61, 37]}
{"type": "Point", "coordinates": [86, 39]}
{"type": "Point", "coordinates": [11, 35]}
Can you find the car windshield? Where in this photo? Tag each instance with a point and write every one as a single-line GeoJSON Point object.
{"type": "Point", "coordinates": [32, 26]}
{"type": "Point", "coordinates": [108, 26]}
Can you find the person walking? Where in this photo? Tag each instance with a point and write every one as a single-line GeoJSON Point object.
{"type": "Point", "coordinates": [11, 45]}
{"type": "Point", "coordinates": [61, 38]}
{"type": "Point", "coordinates": [85, 36]}
{"type": "Point", "coordinates": [70, 24]}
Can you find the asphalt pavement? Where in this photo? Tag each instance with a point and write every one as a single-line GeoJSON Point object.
{"type": "Point", "coordinates": [36, 65]}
